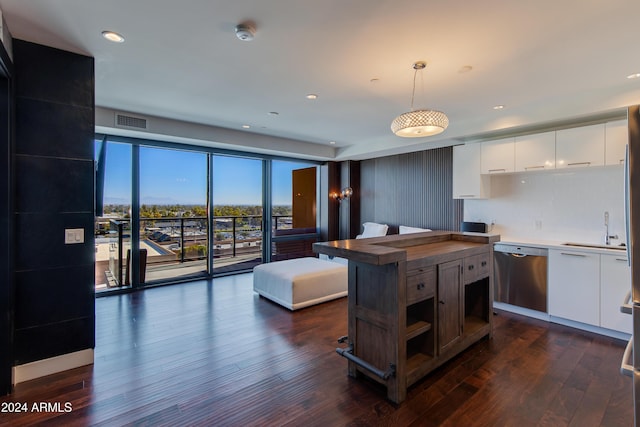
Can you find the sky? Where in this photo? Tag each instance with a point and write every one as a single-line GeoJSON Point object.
{"type": "Point", "coordinates": [180, 177]}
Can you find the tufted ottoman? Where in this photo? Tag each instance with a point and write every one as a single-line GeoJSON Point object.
{"type": "Point", "coordinates": [301, 282]}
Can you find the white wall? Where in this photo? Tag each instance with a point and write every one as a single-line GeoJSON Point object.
{"type": "Point", "coordinates": [563, 205]}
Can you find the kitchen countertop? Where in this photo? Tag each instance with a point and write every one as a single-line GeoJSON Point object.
{"type": "Point", "coordinates": [559, 244]}
{"type": "Point", "coordinates": [403, 247]}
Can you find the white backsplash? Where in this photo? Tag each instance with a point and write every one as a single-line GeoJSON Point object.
{"type": "Point", "coordinates": [563, 205]}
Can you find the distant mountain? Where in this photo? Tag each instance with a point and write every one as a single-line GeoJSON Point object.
{"type": "Point", "coordinates": [116, 201]}
{"type": "Point", "coordinates": [151, 200]}
{"type": "Point", "coordinates": [156, 200]}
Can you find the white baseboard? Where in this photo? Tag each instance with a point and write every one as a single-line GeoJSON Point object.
{"type": "Point", "coordinates": [521, 310]}
{"type": "Point", "coordinates": [41, 368]}
{"type": "Point", "coordinates": [589, 328]}
{"type": "Point", "coordinates": [544, 316]}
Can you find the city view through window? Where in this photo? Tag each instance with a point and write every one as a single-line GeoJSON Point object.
{"type": "Point", "coordinates": [174, 229]}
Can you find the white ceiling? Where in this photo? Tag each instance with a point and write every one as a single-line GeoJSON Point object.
{"type": "Point", "coordinates": [545, 60]}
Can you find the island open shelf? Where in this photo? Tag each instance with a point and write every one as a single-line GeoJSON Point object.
{"type": "Point", "coordinates": [415, 301]}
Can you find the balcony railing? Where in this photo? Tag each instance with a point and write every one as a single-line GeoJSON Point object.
{"type": "Point", "coordinates": [182, 241]}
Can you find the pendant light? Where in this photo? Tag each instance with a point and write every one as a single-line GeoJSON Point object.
{"type": "Point", "coordinates": [419, 123]}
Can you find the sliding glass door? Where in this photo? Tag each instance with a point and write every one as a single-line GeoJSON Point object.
{"type": "Point", "coordinates": [237, 213]}
{"type": "Point", "coordinates": [294, 209]}
{"type": "Point", "coordinates": [113, 212]}
{"type": "Point", "coordinates": [166, 214]}
{"type": "Point", "coordinates": [173, 214]}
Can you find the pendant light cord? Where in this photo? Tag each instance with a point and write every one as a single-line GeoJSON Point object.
{"type": "Point", "coordinates": [413, 93]}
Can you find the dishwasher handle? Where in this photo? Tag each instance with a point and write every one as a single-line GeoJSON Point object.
{"type": "Point", "coordinates": [518, 255]}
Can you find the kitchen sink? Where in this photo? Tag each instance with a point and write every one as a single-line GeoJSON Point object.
{"type": "Point", "coordinates": [594, 245]}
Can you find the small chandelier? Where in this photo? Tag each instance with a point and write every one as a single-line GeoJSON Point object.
{"type": "Point", "coordinates": [419, 123]}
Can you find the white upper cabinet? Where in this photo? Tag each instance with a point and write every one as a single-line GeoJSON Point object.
{"type": "Point", "coordinates": [616, 139]}
{"type": "Point", "coordinates": [467, 181]}
{"type": "Point", "coordinates": [581, 146]}
{"type": "Point", "coordinates": [497, 156]}
{"type": "Point", "coordinates": [535, 152]}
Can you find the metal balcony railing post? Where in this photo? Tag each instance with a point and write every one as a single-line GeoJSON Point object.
{"type": "Point", "coordinates": [120, 244]}
{"type": "Point", "coordinates": [233, 228]}
{"type": "Point", "coordinates": [182, 240]}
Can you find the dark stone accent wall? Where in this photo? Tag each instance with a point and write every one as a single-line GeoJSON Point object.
{"type": "Point", "coordinates": [54, 172]}
{"type": "Point", "coordinates": [330, 184]}
{"type": "Point", "coordinates": [6, 277]}
{"type": "Point", "coordinates": [350, 225]}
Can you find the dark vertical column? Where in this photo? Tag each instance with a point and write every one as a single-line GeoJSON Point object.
{"type": "Point", "coordinates": [54, 174]}
{"type": "Point", "coordinates": [354, 201]}
{"type": "Point", "coordinates": [350, 208]}
{"type": "Point", "coordinates": [330, 184]}
{"type": "Point", "coordinates": [6, 277]}
{"type": "Point", "coordinates": [267, 209]}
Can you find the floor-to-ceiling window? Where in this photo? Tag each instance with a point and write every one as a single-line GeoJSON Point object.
{"type": "Point", "coordinates": [113, 212]}
{"type": "Point", "coordinates": [294, 202]}
{"type": "Point", "coordinates": [237, 213]}
{"type": "Point", "coordinates": [196, 212]}
{"type": "Point", "coordinates": [173, 214]}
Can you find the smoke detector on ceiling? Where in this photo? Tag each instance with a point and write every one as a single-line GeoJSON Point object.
{"type": "Point", "coordinates": [245, 31]}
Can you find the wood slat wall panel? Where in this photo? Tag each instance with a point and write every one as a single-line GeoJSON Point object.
{"type": "Point", "coordinates": [411, 189]}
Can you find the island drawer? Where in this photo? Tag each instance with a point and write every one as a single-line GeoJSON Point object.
{"type": "Point", "coordinates": [476, 267]}
{"type": "Point", "coordinates": [421, 284]}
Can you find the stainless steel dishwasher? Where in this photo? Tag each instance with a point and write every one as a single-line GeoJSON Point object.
{"type": "Point", "coordinates": [521, 276]}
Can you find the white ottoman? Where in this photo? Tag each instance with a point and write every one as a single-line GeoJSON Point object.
{"type": "Point", "coordinates": [301, 282]}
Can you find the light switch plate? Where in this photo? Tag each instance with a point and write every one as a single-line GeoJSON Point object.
{"type": "Point", "coordinates": [73, 236]}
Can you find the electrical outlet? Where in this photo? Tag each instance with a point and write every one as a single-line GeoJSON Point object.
{"type": "Point", "coordinates": [73, 236]}
{"type": "Point", "coordinates": [493, 222]}
{"type": "Point", "coordinates": [538, 224]}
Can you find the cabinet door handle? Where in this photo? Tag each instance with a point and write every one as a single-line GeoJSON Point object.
{"type": "Point", "coordinates": [471, 267]}
{"type": "Point", "coordinates": [533, 167]}
{"type": "Point", "coordinates": [621, 259]}
{"type": "Point", "coordinates": [441, 302]}
{"type": "Point", "coordinates": [579, 164]}
{"type": "Point", "coordinates": [578, 255]}
{"type": "Point", "coordinates": [497, 170]}
{"type": "Point", "coordinates": [483, 263]}
{"type": "Point", "coordinates": [420, 286]}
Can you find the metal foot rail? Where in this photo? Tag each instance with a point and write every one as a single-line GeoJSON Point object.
{"type": "Point", "coordinates": [348, 354]}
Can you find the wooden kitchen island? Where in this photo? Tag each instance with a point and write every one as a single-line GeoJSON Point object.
{"type": "Point", "coordinates": [415, 301]}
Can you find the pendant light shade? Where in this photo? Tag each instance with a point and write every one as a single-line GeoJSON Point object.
{"type": "Point", "coordinates": [419, 123]}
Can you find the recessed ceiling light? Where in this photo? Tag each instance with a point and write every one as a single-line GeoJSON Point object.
{"type": "Point", "coordinates": [498, 107]}
{"type": "Point", "coordinates": [633, 76]}
{"type": "Point", "coordinates": [245, 126]}
{"type": "Point", "coordinates": [112, 36]}
{"type": "Point", "coordinates": [312, 96]}
{"type": "Point", "coordinates": [332, 142]}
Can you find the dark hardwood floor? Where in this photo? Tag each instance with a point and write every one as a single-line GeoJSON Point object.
{"type": "Point", "coordinates": [214, 353]}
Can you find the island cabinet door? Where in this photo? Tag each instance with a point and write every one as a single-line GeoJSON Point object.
{"type": "Point", "coordinates": [449, 305]}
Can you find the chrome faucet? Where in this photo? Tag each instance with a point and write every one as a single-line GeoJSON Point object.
{"type": "Point", "coordinates": [607, 237]}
